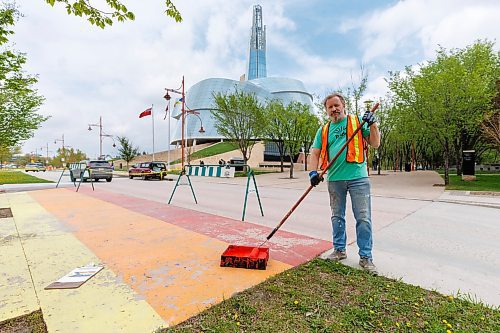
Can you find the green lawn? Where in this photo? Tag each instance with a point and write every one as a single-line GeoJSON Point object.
{"type": "Point", "coordinates": [216, 149]}
{"type": "Point", "coordinates": [18, 177]}
{"type": "Point", "coordinates": [483, 182]}
{"type": "Point", "coordinates": [322, 296]}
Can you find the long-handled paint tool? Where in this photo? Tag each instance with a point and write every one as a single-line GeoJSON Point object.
{"type": "Point", "coordinates": [257, 257]}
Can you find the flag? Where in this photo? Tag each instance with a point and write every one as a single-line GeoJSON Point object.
{"type": "Point", "coordinates": [146, 112]}
{"type": "Point", "coordinates": [179, 101]}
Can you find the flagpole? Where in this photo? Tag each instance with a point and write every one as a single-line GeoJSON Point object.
{"type": "Point", "coordinates": [168, 154]}
{"type": "Point", "coordinates": [153, 120]}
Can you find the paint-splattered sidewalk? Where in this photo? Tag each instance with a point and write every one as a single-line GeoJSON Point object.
{"type": "Point", "coordinates": [161, 261]}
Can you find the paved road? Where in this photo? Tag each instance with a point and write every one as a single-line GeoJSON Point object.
{"type": "Point", "coordinates": [443, 240]}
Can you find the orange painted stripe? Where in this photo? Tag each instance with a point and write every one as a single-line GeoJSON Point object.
{"type": "Point", "coordinates": [176, 270]}
{"type": "Point", "coordinates": [287, 247]}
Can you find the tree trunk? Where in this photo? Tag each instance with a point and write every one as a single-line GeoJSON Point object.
{"type": "Point", "coordinates": [245, 168]}
{"type": "Point", "coordinates": [379, 167]}
{"type": "Point", "coordinates": [291, 167]}
{"type": "Point", "coordinates": [446, 164]}
{"type": "Point", "coordinates": [281, 150]}
{"type": "Point", "coordinates": [305, 158]}
{"type": "Point", "coordinates": [458, 153]}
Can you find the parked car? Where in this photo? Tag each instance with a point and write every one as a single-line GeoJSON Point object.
{"type": "Point", "coordinates": [148, 170]}
{"type": "Point", "coordinates": [98, 169]}
{"type": "Point", "coordinates": [35, 167]}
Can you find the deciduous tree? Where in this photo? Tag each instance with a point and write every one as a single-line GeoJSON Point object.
{"type": "Point", "coordinates": [19, 100]}
{"type": "Point", "coordinates": [114, 10]}
{"type": "Point", "coordinates": [126, 150]}
{"type": "Point", "coordinates": [448, 98]}
{"type": "Point", "coordinates": [239, 117]}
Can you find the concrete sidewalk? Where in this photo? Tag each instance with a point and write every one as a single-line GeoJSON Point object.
{"type": "Point", "coordinates": [161, 262]}
{"type": "Point", "coordinates": [423, 235]}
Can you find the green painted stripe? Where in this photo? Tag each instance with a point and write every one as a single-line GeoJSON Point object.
{"type": "Point", "coordinates": [210, 171]}
{"type": "Point", "coordinates": [219, 171]}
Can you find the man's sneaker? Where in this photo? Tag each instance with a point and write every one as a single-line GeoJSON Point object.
{"type": "Point", "coordinates": [368, 266]}
{"type": "Point", "coordinates": [337, 255]}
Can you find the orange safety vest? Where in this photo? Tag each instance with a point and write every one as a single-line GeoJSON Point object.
{"type": "Point", "coordinates": [355, 151]}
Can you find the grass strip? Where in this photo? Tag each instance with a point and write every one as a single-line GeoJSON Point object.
{"type": "Point", "coordinates": [32, 322]}
{"type": "Point", "coordinates": [215, 149]}
{"type": "Point", "coordinates": [18, 177]}
{"type": "Point", "coordinates": [323, 296]}
{"type": "Point", "coordinates": [483, 182]}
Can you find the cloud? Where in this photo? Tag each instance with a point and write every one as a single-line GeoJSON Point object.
{"type": "Point", "coordinates": [86, 72]}
{"type": "Point", "coordinates": [461, 28]}
{"type": "Point", "coordinates": [418, 26]}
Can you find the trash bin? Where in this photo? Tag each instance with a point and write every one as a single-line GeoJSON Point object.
{"type": "Point", "coordinates": [468, 162]}
{"type": "Point", "coordinates": [237, 163]}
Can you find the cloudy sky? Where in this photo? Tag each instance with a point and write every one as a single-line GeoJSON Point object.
{"type": "Point", "coordinates": [116, 73]}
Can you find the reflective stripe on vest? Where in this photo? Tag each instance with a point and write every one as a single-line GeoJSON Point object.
{"type": "Point", "coordinates": [323, 156]}
{"type": "Point", "coordinates": [355, 151]}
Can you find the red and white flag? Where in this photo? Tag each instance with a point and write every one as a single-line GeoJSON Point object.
{"type": "Point", "coordinates": [146, 112]}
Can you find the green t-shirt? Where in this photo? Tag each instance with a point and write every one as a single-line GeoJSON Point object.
{"type": "Point", "coordinates": [341, 169]}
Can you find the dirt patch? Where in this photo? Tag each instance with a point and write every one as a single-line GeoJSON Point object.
{"type": "Point", "coordinates": [30, 323]}
{"type": "Point", "coordinates": [5, 212]}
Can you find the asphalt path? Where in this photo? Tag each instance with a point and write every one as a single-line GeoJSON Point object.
{"type": "Point", "coordinates": [422, 234]}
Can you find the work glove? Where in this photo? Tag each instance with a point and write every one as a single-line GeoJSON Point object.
{"type": "Point", "coordinates": [315, 178]}
{"type": "Point", "coordinates": [369, 117]}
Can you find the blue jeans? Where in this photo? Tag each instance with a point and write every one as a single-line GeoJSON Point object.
{"type": "Point", "coordinates": [359, 190]}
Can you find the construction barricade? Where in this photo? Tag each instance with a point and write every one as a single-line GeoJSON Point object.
{"type": "Point", "coordinates": [222, 171]}
{"type": "Point", "coordinates": [82, 169]}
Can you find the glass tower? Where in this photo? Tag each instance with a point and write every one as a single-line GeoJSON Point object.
{"type": "Point", "coordinates": [199, 97]}
{"type": "Point", "coordinates": [257, 56]}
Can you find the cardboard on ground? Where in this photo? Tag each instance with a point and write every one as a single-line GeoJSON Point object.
{"type": "Point", "coordinates": [76, 277]}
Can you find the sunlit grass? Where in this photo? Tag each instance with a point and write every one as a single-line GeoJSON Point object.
{"type": "Point", "coordinates": [483, 182]}
{"type": "Point", "coordinates": [18, 177]}
{"type": "Point", "coordinates": [323, 296]}
{"type": "Point", "coordinates": [215, 149]}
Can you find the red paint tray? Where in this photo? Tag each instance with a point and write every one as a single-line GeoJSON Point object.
{"type": "Point", "coordinates": [245, 257]}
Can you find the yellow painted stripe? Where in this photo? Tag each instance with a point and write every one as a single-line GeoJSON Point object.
{"type": "Point", "coordinates": [17, 296]}
{"type": "Point", "coordinates": [176, 270]}
{"type": "Point", "coordinates": [102, 304]}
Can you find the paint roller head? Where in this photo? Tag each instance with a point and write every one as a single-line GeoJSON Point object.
{"type": "Point", "coordinates": [245, 257]}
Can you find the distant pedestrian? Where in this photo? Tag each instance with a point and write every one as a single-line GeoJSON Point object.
{"type": "Point", "coordinates": [347, 174]}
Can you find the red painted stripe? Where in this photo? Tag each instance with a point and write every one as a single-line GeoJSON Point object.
{"type": "Point", "coordinates": [287, 247]}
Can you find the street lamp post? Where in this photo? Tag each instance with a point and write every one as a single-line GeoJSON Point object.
{"type": "Point", "coordinates": [63, 152]}
{"type": "Point", "coordinates": [184, 113]}
{"type": "Point", "coordinates": [47, 153]}
{"type": "Point", "coordinates": [183, 100]}
{"type": "Point", "coordinates": [101, 135]}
